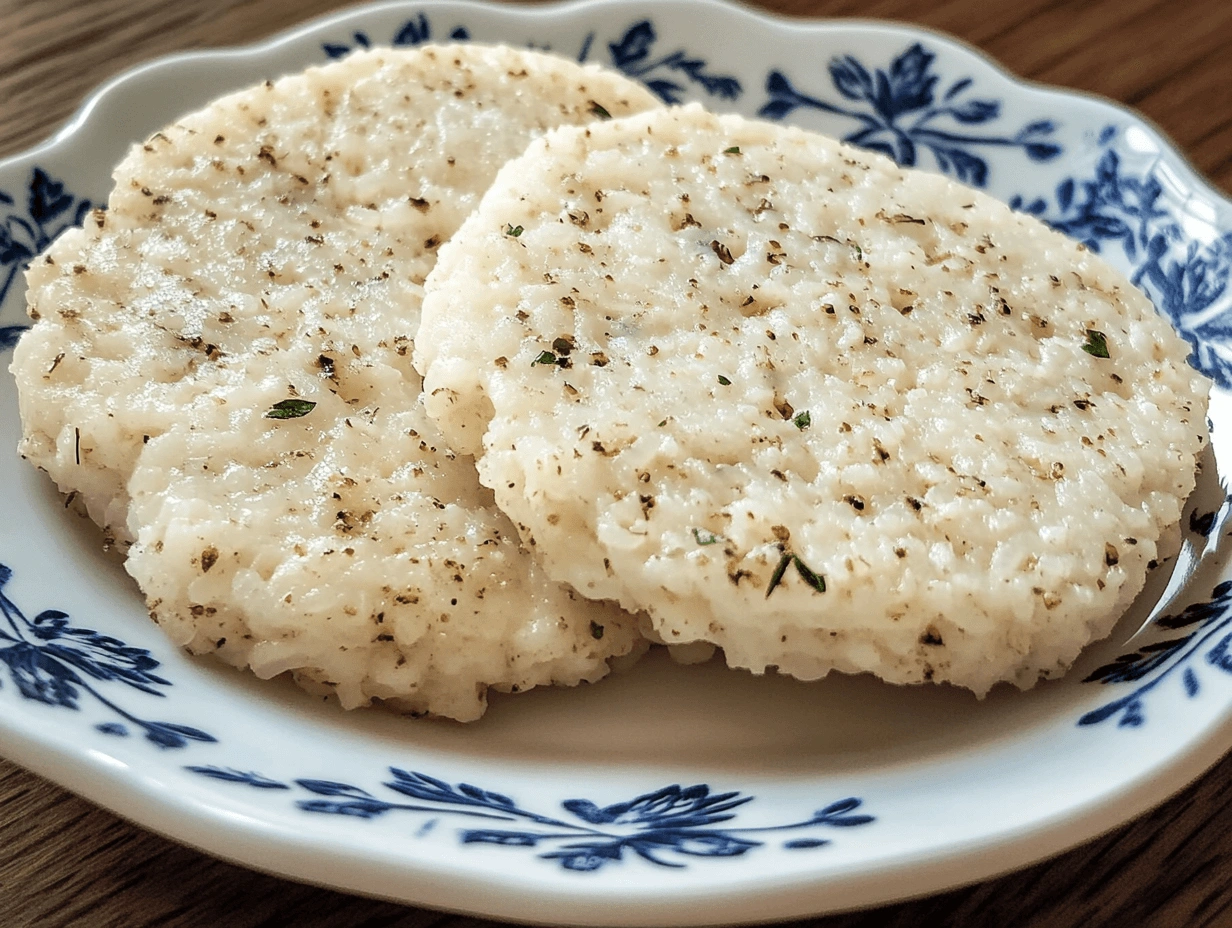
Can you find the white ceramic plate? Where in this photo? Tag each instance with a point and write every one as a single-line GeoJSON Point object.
{"type": "Point", "coordinates": [669, 795]}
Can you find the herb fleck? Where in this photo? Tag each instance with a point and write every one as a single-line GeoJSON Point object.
{"type": "Point", "coordinates": [777, 577]}
{"type": "Point", "coordinates": [803, 421]}
{"type": "Point", "coordinates": [706, 538]}
{"type": "Point", "coordinates": [663, 423]}
{"type": "Point", "coordinates": [1096, 344]}
{"type": "Point", "coordinates": [290, 409]}
{"type": "Point", "coordinates": [599, 111]}
{"type": "Point", "coordinates": [722, 251]}
{"type": "Point", "coordinates": [816, 581]}
{"type": "Point", "coordinates": [562, 345]}
{"type": "Point", "coordinates": [724, 381]}
{"type": "Point", "coordinates": [596, 631]}
{"type": "Point", "coordinates": [545, 357]}
{"type": "Point", "coordinates": [513, 230]}
{"type": "Point", "coordinates": [734, 150]}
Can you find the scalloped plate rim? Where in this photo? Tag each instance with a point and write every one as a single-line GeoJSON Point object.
{"type": "Point", "coordinates": [153, 803]}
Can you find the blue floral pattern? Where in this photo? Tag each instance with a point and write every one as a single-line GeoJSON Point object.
{"type": "Point", "coordinates": [414, 31]}
{"type": "Point", "coordinates": [1152, 664]}
{"type": "Point", "coordinates": [898, 114]}
{"type": "Point", "coordinates": [660, 827]}
{"type": "Point", "coordinates": [48, 210]}
{"type": "Point", "coordinates": [54, 663]}
{"type": "Point", "coordinates": [1187, 281]}
{"type": "Point", "coordinates": [632, 55]}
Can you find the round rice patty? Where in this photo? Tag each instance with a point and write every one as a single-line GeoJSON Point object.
{"type": "Point", "coordinates": [351, 547]}
{"type": "Point", "coordinates": [274, 245]}
{"type": "Point", "coordinates": [727, 364]}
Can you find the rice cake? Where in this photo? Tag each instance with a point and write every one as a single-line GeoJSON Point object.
{"type": "Point", "coordinates": [799, 402]}
{"type": "Point", "coordinates": [272, 247]}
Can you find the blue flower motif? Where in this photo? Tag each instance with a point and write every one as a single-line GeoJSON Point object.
{"type": "Point", "coordinates": [632, 56]}
{"type": "Point", "coordinates": [1154, 663]}
{"type": "Point", "coordinates": [55, 663]}
{"type": "Point", "coordinates": [899, 114]}
{"type": "Point", "coordinates": [49, 210]}
{"type": "Point", "coordinates": [1187, 281]}
{"type": "Point", "coordinates": [659, 827]}
{"type": "Point", "coordinates": [414, 31]}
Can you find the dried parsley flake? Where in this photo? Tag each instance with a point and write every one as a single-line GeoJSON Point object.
{"type": "Point", "coordinates": [1096, 344]}
{"type": "Point", "coordinates": [290, 409]}
{"type": "Point", "coordinates": [734, 150]}
{"type": "Point", "coordinates": [513, 230]}
{"type": "Point", "coordinates": [545, 357]}
{"type": "Point", "coordinates": [599, 111]}
{"type": "Point", "coordinates": [706, 538]}
{"type": "Point", "coordinates": [803, 420]}
{"type": "Point", "coordinates": [724, 381]}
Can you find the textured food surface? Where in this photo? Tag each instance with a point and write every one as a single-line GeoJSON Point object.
{"type": "Point", "coordinates": [273, 246]}
{"type": "Point", "coordinates": [804, 404]}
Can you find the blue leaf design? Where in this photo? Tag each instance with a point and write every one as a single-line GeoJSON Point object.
{"type": "Point", "coordinates": [802, 843]}
{"type": "Point", "coordinates": [1042, 151]}
{"type": "Point", "coordinates": [957, 88]}
{"type": "Point", "coordinates": [976, 111]}
{"type": "Point", "coordinates": [334, 50]}
{"type": "Point", "coordinates": [503, 838]}
{"type": "Point", "coordinates": [669, 92]}
{"type": "Point", "coordinates": [1191, 682]}
{"type": "Point", "coordinates": [230, 775]}
{"type": "Point", "coordinates": [460, 34]}
{"type": "Point", "coordinates": [112, 728]}
{"type": "Point", "coordinates": [414, 31]}
{"type": "Point", "coordinates": [333, 788]}
{"type": "Point", "coordinates": [634, 46]}
{"type": "Point", "coordinates": [587, 811]}
{"type": "Point", "coordinates": [1065, 193]}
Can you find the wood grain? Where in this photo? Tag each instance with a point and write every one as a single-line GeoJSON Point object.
{"type": "Point", "coordinates": [64, 862]}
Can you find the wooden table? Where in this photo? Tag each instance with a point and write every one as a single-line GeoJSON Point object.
{"type": "Point", "coordinates": [64, 862]}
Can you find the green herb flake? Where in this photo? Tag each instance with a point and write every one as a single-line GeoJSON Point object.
{"type": "Point", "coordinates": [803, 420]}
{"type": "Point", "coordinates": [859, 251]}
{"type": "Point", "coordinates": [663, 423]}
{"type": "Point", "coordinates": [597, 110]}
{"type": "Point", "coordinates": [290, 409]}
{"type": "Point", "coordinates": [734, 150]}
{"type": "Point", "coordinates": [816, 581]}
{"type": "Point", "coordinates": [513, 230]}
{"type": "Point", "coordinates": [724, 381]}
{"type": "Point", "coordinates": [1096, 344]}
{"type": "Point", "coordinates": [706, 538]}
{"type": "Point", "coordinates": [545, 357]}
{"type": "Point", "coordinates": [777, 577]}
{"type": "Point", "coordinates": [562, 346]}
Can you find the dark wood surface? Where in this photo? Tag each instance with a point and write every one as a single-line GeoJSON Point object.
{"type": "Point", "coordinates": [65, 862]}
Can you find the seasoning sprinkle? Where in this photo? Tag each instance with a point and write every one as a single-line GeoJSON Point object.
{"type": "Point", "coordinates": [599, 111]}
{"type": "Point", "coordinates": [1096, 344]}
{"type": "Point", "coordinates": [803, 420]}
{"type": "Point", "coordinates": [513, 230]}
{"type": "Point", "coordinates": [545, 357]}
{"type": "Point", "coordinates": [724, 381]}
{"type": "Point", "coordinates": [734, 150]}
{"type": "Point", "coordinates": [290, 409]}
{"type": "Point", "coordinates": [707, 538]}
